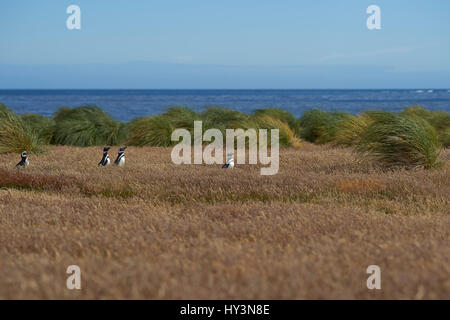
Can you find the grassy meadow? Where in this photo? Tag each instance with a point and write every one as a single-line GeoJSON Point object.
{"type": "Point", "coordinates": [351, 191]}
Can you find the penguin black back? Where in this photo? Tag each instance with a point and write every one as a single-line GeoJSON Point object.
{"type": "Point", "coordinates": [105, 159]}
{"type": "Point", "coordinates": [24, 162]}
{"type": "Point", "coordinates": [120, 160]}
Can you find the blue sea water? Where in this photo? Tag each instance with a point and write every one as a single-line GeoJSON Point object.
{"type": "Point", "coordinates": [125, 105]}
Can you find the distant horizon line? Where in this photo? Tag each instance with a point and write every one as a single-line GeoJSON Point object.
{"type": "Point", "coordinates": [218, 89]}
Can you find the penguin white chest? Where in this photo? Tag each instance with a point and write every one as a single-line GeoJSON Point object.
{"type": "Point", "coordinates": [27, 162]}
{"type": "Point", "coordinates": [107, 161]}
{"type": "Point", "coordinates": [121, 161]}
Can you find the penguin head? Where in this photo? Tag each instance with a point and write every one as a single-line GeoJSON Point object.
{"type": "Point", "coordinates": [122, 149]}
{"type": "Point", "coordinates": [24, 154]}
{"type": "Point", "coordinates": [105, 149]}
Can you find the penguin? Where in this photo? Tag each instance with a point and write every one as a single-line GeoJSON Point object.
{"type": "Point", "coordinates": [24, 162]}
{"type": "Point", "coordinates": [230, 162]}
{"type": "Point", "coordinates": [105, 159]}
{"type": "Point", "coordinates": [120, 161]}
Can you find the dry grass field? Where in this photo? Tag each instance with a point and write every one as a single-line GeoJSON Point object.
{"type": "Point", "coordinates": [154, 230]}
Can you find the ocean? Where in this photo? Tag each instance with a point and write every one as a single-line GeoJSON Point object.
{"type": "Point", "coordinates": [125, 105]}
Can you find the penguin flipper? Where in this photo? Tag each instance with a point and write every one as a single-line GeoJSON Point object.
{"type": "Point", "coordinates": [104, 162]}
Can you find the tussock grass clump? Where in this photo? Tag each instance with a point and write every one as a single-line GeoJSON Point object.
{"type": "Point", "coordinates": [319, 126]}
{"type": "Point", "coordinates": [222, 118]}
{"type": "Point", "coordinates": [44, 127]}
{"type": "Point", "coordinates": [281, 115]}
{"type": "Point", "coordinates": [350, 130]}
{"type": "Point", "coordinates": [287, 138]}
{"type": "Point", "coordinates": [15, 135]}
{"type": "Point", "coordinates": [90, 125]}
{"type": "Point", "coordinates": [181, 117]}
{"type": "Point", "coordinates": [157, 130]}
{"type": "Point", "coordinates": [86, 126]}
{"type": "Point", "coordinates": [395, 140]}
{"type": "Point", "coordinates": [150, 131]}
{"type": "Point", "coordinates": [440, 120]}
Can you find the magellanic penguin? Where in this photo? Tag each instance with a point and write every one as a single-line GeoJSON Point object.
{"type": "Point", "coordinates": [24, 162]}
{"type": "Point", "coordinates": [105, 160]}
{"type": "Point", "coordinates": [230, 162]}
{"type": "Point", "coordinates": [120, 161]}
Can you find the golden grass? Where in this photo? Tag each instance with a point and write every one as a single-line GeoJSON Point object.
{"type": "Point", "coordinates": [351, 129]}
{"type": "Point", "coordinates": [160, 231]}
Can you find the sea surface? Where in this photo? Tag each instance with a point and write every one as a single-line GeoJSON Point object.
{"type": "Point", "coordinates": [125, 105]}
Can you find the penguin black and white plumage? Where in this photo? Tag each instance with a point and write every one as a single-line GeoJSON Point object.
{"type": "Point", "coordinates": [120, 161]}
{"type": "Point", "coordinates": [230, 162]}
{"type": "Point", "coordinates": [105, 159]}
{"type": "Point", "coordinates": [24, 162]}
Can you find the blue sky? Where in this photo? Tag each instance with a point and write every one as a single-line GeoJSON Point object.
{"type": "Point", "coordinates": [225, 44]}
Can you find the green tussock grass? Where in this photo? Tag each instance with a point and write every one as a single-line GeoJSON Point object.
{"type": "Point", "coordinates": [287, 137]}
{"type": "Point", "coordinates": [282, 115]}
{"type": "Point", "coordinates": [222, 118]}
{"type": "Point", "coordinates": [440, 120]}
{"type": "Point", "coordinates": [409, 138]}
{"type": "Point", "coordinates": [15, 135]}
{"type": "Point", "coordinates": [44, 127]}
{"type": "Point", "coordinates": [150, 131]}
{"type": "Point", "coordinates": [319, 126]}
{"type": "Point", "coordinates": [395, 140]}
{"type": "Point", "coordinates": [157, 130]}
{"type": "Point", "coordinates": [86, 126]}
{"type": "Point", "coordinates": [181, 117]}
{"type": "Point", "coordinates": [349, 130]}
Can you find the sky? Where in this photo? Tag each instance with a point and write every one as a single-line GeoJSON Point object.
{"type": "Point", "coordinates": [225, 44]}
